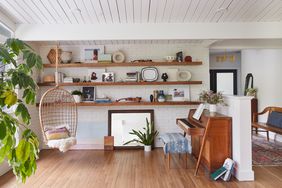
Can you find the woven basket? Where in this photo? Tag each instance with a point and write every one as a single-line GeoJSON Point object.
{"type": "Point", "coordinates": [52, 56]}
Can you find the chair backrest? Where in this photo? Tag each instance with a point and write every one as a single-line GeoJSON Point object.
{"type": "Point", "coordinates": [273, 108]}
{"type": "Point", "coordinates": [58, 108]}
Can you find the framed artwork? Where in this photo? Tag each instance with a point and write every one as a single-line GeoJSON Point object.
{"type": "Point", "coordinates": [180, 93]}
{"type": "Point", "coordinates": [88, 94]}
{"type": "Point", "coordinates": [108, 77]}
{"type": "Point", "coordinates": [96, 74]}
{"type": "Point", "coordinates": [91, 54]}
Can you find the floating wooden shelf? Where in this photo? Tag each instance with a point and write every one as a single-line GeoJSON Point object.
{"type": "Point", "coordinates": [142, 103]}
{"type": "Point", "coordinates": [127, 64]}
{"type": "Point", "coordinates": [122, 83]}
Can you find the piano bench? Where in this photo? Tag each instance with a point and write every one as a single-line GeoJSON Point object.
{"type": "Point", "coordinates": [176, 143]}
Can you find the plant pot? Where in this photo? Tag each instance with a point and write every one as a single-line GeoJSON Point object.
{"type": "Point", "coordinates": [212, 107]}
{"type": "Point", "coordinates": [147, 148]}
{"type": "Point", "coordinates": [77, 98]}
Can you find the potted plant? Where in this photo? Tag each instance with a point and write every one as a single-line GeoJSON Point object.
{"type": "Point", "coordinates": [212, 99]}
{"type": "Point", "coordinates": [146, 137]}
{"type": "Point", "coordinates": [77, 95]}
{"type": "Point", "coordinates": [19, 145]}
{"type": "Point", "coordinates": [252, 92]}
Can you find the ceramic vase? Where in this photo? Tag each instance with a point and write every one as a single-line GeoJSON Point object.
{"type": "Point", "coordinates": [161, 96]}
{"type": "Point", "coordinates": [212, 107]}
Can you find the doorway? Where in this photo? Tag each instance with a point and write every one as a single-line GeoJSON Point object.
{"type": "Point", "coordinates": [224, 80]}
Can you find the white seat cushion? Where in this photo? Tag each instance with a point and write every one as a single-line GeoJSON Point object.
{"type": "Point", "coordinates": [62, 144]}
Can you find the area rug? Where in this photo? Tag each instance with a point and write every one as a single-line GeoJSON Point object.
{"type": "Point", "coordinates": [268, 153]}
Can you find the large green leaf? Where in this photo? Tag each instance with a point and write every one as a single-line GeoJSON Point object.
{"type": "Point", "coordinates": [11, 98]}
{"type": "Point", "coordinates": [23, 151]}
{"type": "Point", "coordinates": [2, 131]}
{"type": "Point", "coordinates": [22, 111]}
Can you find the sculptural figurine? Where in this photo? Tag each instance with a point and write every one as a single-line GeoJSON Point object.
{"type": "Point", "coordinates": [164, 76]}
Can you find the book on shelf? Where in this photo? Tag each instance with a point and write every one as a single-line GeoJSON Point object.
{"type": "Point", "coordinates": [103, 100]}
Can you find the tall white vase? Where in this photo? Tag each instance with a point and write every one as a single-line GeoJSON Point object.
{"type": "Point", "coordinates": [212, 107]}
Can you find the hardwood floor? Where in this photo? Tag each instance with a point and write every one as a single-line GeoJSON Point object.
{"type": "Point", "coordinates": [127, 168]}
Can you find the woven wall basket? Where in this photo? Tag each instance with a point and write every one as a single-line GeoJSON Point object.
{"type": "Point", "coordinates": [52, 56]}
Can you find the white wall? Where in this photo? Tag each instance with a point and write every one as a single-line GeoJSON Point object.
{"type": "Point", "coordinates": [266, 67]}
{"type": "Point", "coordinates": [92, 121]}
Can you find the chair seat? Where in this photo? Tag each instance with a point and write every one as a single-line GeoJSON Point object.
{"type": "Point", "coordinates": [176, 143]}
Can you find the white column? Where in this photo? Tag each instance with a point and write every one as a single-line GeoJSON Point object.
{"type": "Point", "coordinates": [239, 108]}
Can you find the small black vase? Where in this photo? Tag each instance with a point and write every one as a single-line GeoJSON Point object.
{"type": "Point", "coordinates": [164, 77]}
{"type": "Point", "coordinates": [151, 98]}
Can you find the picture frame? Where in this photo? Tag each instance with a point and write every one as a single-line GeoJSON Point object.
{"type": "Point", "coordinates": [88, 94]}
{"type": "Point", "coordinates": [108, 77]}
{"type": "Point", "coordinates": [95, 75]}
{"type": "Point", "coordinates": [91, 54]}
{"type": "Point", "coordinates": [180, 93]}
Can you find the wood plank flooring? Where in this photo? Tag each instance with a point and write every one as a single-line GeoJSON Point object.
{"type": "Point", "coordinates": [127, 168]}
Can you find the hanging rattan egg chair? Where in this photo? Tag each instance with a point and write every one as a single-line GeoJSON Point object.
{"type": "Point", "coordinates": [58, 109]}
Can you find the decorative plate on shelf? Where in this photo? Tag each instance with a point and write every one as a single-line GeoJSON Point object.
{"type": "Point", "coordinates": [183, 75]}
{"type": "Point", "coordinates": [149, 74]}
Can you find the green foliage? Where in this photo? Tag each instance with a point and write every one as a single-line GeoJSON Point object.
{"type": "Point", "coordinates": [211, 97]}
{"type": "Point", "coordinates": [22, 156]}
{"type": "Point", "coordinates": [146, 137]}
{"type": "Point", "coordinates": [76, 92]}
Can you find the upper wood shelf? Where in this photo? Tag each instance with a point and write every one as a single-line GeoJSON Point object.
{"type": "Point", "coordinates": [122, 83]}
{"type": "Point", "coordinates": [127, 64]}
{"type": "Point", "coordinates": [142, 103]}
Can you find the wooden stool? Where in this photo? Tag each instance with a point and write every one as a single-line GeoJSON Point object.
{"type": "Point", "coordinates": [175, 143]}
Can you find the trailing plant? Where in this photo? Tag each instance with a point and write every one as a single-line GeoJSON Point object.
{"type": "Point", "coordinates": [76, 92]}
{"type": "Point", "coordinates": [211, 97]}
{"type": "Point", "coordinates": [146, 137]}
{"type": "Point", "coordinates": [19, 145]}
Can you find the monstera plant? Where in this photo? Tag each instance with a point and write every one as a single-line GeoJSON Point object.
{"type": "Point", "coordinates": [19, 145]}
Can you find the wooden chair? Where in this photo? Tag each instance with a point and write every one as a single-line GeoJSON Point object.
{"type": "Point", "coordinates": [265, 126]}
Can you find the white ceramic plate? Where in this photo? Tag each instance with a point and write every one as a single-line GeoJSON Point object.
{"type": "Point", "coordinates": [150, 74]}
{"type": "Point", "coordinates": [183, 75]}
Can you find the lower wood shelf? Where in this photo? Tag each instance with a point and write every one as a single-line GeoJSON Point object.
{"type": "Point", "coordinates": [143, 103]}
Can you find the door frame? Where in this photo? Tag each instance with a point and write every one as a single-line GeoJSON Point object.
{"type": "Point", "coordinates": [213, 79]}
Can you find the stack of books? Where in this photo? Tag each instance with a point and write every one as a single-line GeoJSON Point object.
{"type": "Point", "coordinates": [103, 100]}
{"type": "Point", "coordinates": [225, 171]}
{"type": "Point", "coordinates": [68, 80]}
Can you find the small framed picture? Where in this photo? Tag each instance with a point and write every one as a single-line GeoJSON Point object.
{"type": "Point", "coordinates": [91, 54]}
{"type": "Point", "coordinates": [108, 77]}
{"type": "Point", "coordinates": [88, 94]}
{"type": "Point", "coordinates": [180, 94]}
{"type": "Point", "coordinates": [96, 74]}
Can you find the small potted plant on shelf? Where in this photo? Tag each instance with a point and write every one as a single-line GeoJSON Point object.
{"type": "Point", "coordinates": [146, 137]}
{"type": "Point", "coordinates": [252, 92]}
{"type": "Point", "coordinates": [77, 95]}
{"type": "Point", "coordinates": [212, 99]}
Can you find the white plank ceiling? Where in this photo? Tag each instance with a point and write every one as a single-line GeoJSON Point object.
{"type": "Point", "coordinates": [141, 11]}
